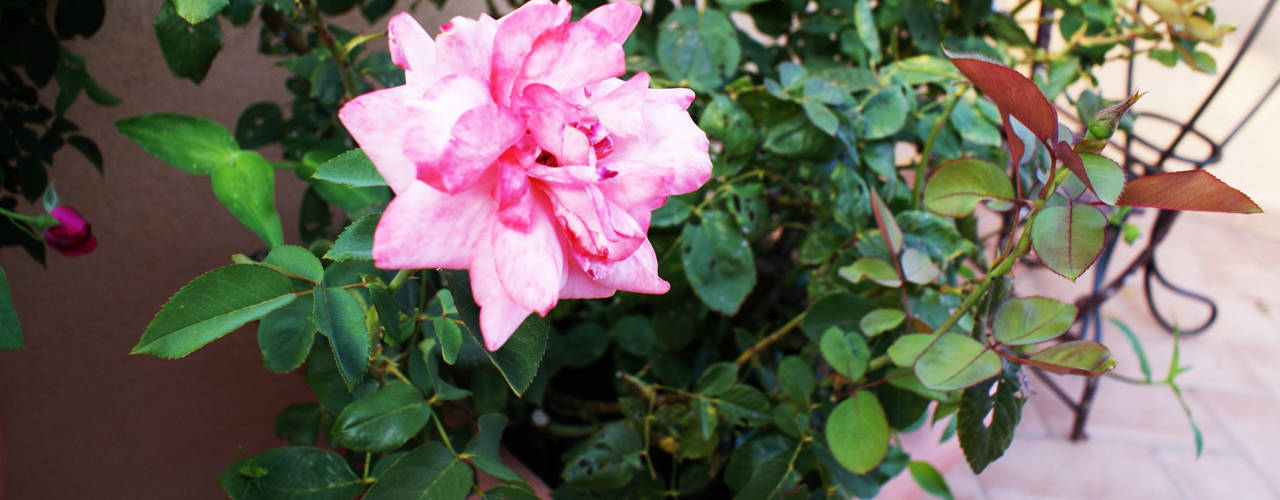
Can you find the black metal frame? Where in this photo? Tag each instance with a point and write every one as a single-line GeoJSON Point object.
{"type": "Point", "coordinates": [1089, 318]}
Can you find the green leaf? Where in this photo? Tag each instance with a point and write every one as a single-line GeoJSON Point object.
{"type": "Point", "coordinates": [291, 472]}
{"type": "Point", "coordinates": [300, 423]}
{"type": "Point", "coordinates": [920, 69]}
{"type": "Point", "coordinates": [1077, 357]}
{"type": "Point", "coordinates": [795, 377]}
{"type": "Point", "coordinates": [983, 444]}
{"type": "Point", "coordinates": [717, 378]}
{"type": "Point", "coordinates": [796, 137]}
{"type": "Point", "coordinates": [889, 230]}
{"type": "Point", "coordinates": [880, 321]}
{"type": "Point", "coordinates": [1068, 238]}
{"type": "Point", "coordinates": [907, 349]}
{"type": "Point", "coordinates": [430, 472]}
{"type": "Point", "coordinates": [352, 168]}
{"type": "Point", "coordinates": [929, 479]}
{"type": "Point", "coordinates": [298, 261]}
{"type": "Point", "coordinates": [246, 186]}
{"type": "Point", "coordinates": [87, 148]}
{"type": "Point", "coordinates": [821, 116]}
{"type": "Point", "coordinates": [10, 328]}
{"type": "Point", "coordinates": [1030, 320]}
{"type": "Point", "coordinates": [718, 262]}
{"type": "Point", "coordinates": [520, 356]}
{"type": "Point", "coordinates": [847, 353]}
{"type": "Point", "coordinates": [743, 404]}
{"type": "Point", "coordinates": [606, 461]}
{"type": "Point", "coordinates": [972, 126]}
{"type": "Point", "coordinates": [1105, 176]}
{"type": "Point", "coordinates": [340, 317]}
{"type": "Point", "coordinates": [858, 432]}
{"type": "Point", "coordinates": [958, 185]}
{"type": "Point", "coordinates": [698, 46]}
{"type": "Point", "coordinates": [197, 11]}
{"type": "Point", "coordinates": [955, 361]}
{"type": "Point", "coordinates": [384, 303]}
{"type": "Point", "coordinates": [917, 268]}
{"type": "Point", "coordinates": [483, 448]}
{"type": "Point", "coordinates": [450, 337]}
{"type": "Point", "coordinates": [286, 335]}
{"type": "Point", "coordinates": [872, 268]}
{"type": "Point", "coordinates": [725, 121]}
{"type": "Point", "coordinates": [885, 113]}
{"type": "Point", "coordinates": [383, 421]}
{"type": "Point", "coordinates": [843, 310]}
{"type": "Point", "coordinates": [189, 143]}
{"type": "Point", "coordinates": [323, 377]}
{"type": "Point", "coordinates": [212, 305]}
{"type": "Point", "coordinates": [260, 124]}
{"type": "Point", "coordinates": [865, 24]}
{"type": "Point", "coordinates": [188, 50]}
{"type": "Point", "coordinates": [356, 241]}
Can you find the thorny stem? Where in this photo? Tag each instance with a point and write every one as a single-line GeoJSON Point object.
{"type": "Point", "coordinates": [918, 188]}
{"type": "Point", "coordinates": [339, 56]}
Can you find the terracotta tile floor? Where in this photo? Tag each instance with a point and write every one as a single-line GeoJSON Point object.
{"type": "Point", "coordinates": [1139, 442]}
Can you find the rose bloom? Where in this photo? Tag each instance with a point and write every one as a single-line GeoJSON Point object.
{"type": "Point", "coordinates": [515, 152]}
{"type": "Point", "coordinates": [73, 236]}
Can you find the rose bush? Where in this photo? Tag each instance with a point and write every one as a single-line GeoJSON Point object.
{"type": "Point", "coordinates": [516, 153]}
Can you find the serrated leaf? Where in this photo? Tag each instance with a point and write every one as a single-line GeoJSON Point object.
{"type": "Point", "coordinates": [1030, 320]}
{"type": "Point", "coordinates": [1188, 190]}
{"type": "Point", "coordinates": [955, 361]}
{"type": "Point", "coordinates": [1076, 357]}
{"type": "Point", "coordinates": [297, 261]}
{"type": "Point", "coordinates": [383, 421]}
{"type": "Point", "coordinates": [246, 186]}
{"type": "Point", "coordinates": [340, 318]}
{"type": "Point", "coordinates": [291, 472]}
{"type": "Point", "coordinates": [356, 241]}
{"type": "Point", "coordinates": [189, 143]}
{"type": "Point", "coordinates": [983, 444]}
{"type": "Point", "coordinates": [285, 336]}
{"type": "Point", "coordinates": [1068, 238]}
{"type": "Point", "coordinates": [958, 185]}
{"type": "Point", "coordinates": [1014, 94]}
{"type": "Point", "coordinates": [718, 262]}
{"type": "Point", "coordinates": [352, 168]}
{"type": "Point", "coordinates": [430, 472]}
{"type": "Point", "coordinates": [212, 305]}
{"type": "Point", "coordinates": [858, 433]}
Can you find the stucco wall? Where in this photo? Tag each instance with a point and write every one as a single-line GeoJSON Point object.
{"type": "Point", "coordinates": [80, 417]}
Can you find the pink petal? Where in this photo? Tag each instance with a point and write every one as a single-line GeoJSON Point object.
{"type": "Point", "coordinates": [499, 315]}
{"type": "Point", "coordinates": [530, 264]}
{"type": "Point", "coordinates": [477, 139]}
{"type": "Point", "coordinates": [621, 110]}
{"type": "Point", "coordinates": [637, 186]}
{"type": "Point", "coordinates": [572, 56]}
{"type": "Point", "coordinates": [581, 286]}
{"type": "Point", "coordinates": [596, 230]}
{"type": "Point", "coordinates": [617, 19]}
{"type": "Point", "coordinates": [516, 34]}
{"type": "Point", "coordinates": [379, 121]}
{"type": "Point", "coordinates": [412, 49]}
{"type": "Point", "coordinates": [550, 120]}
{"type": "Point", "coordinates": [670, 140]}
{"type": "Point", "coordinates": [639, 273]}
{"type": "Point", "coordinates": [424, 228]}
{"type": "Point", "coordinates": [515, 200]}
{"type": "Point", "coordinates": [466, 47]}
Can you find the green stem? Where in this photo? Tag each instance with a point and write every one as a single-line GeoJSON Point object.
{"type": "Point", "coordinates": [764, 343]}
{"type": "Point", "coordinates": [339, 56]}
{"type": "Point", "coordinates": [917, 193]}
{"type": "Point", "coordinates": [399, 280]}
{"type": "Point", "coordinates": [18, 216]}
{"type": "Point", "coordinates": [368, 457]}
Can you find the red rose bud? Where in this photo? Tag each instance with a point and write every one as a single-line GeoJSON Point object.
{"type": "Point", "coordinates": [72, 236]}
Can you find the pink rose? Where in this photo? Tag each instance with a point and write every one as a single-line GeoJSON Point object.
{"type": "Point", "coordinates": [516, 152]}
{"type": "Point", "coordinates": [72, 236]}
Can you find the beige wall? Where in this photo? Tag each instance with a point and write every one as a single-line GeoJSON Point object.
{"type": "Point", "coordinates": [80, 417]}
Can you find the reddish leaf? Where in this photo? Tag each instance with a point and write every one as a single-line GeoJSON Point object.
{"type": "Point", "coordinates": [1077, 357]}
{"type": "Point", "coordinates": [1013, 94]}
{"type": "Point", "coordinates": [1187, 190]}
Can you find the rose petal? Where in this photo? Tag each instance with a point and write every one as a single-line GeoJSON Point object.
{"type": "Point", "coordinates": [514, 40]}
{"type": "Point", "coordinates": [638, 273]}
{"type": "Point", "coordinates": [530, 264]}
{"type": "Point", "coordinates": [617, 19]}
{"type": "Point", "coordinates": [412, 49]}
{"type": "Point", "coordinates": [379, 122]}
{"type": "Point", "coordinates": [476, 141]}
{"type": "Point", "coordinates": [499, 315]}
{"type": "Point", "coordinates": [425, 228]}
{"type": "Point", "coordinates": [466, 47]}
{"type": "Point", "coordinates": [572, 56]}
{"type": "Point", "coordinates": [670, 140]}
{"type": "Point", "coordinates": [621, 111]}
{"type": "Point", "coordinates": [596, 230]}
